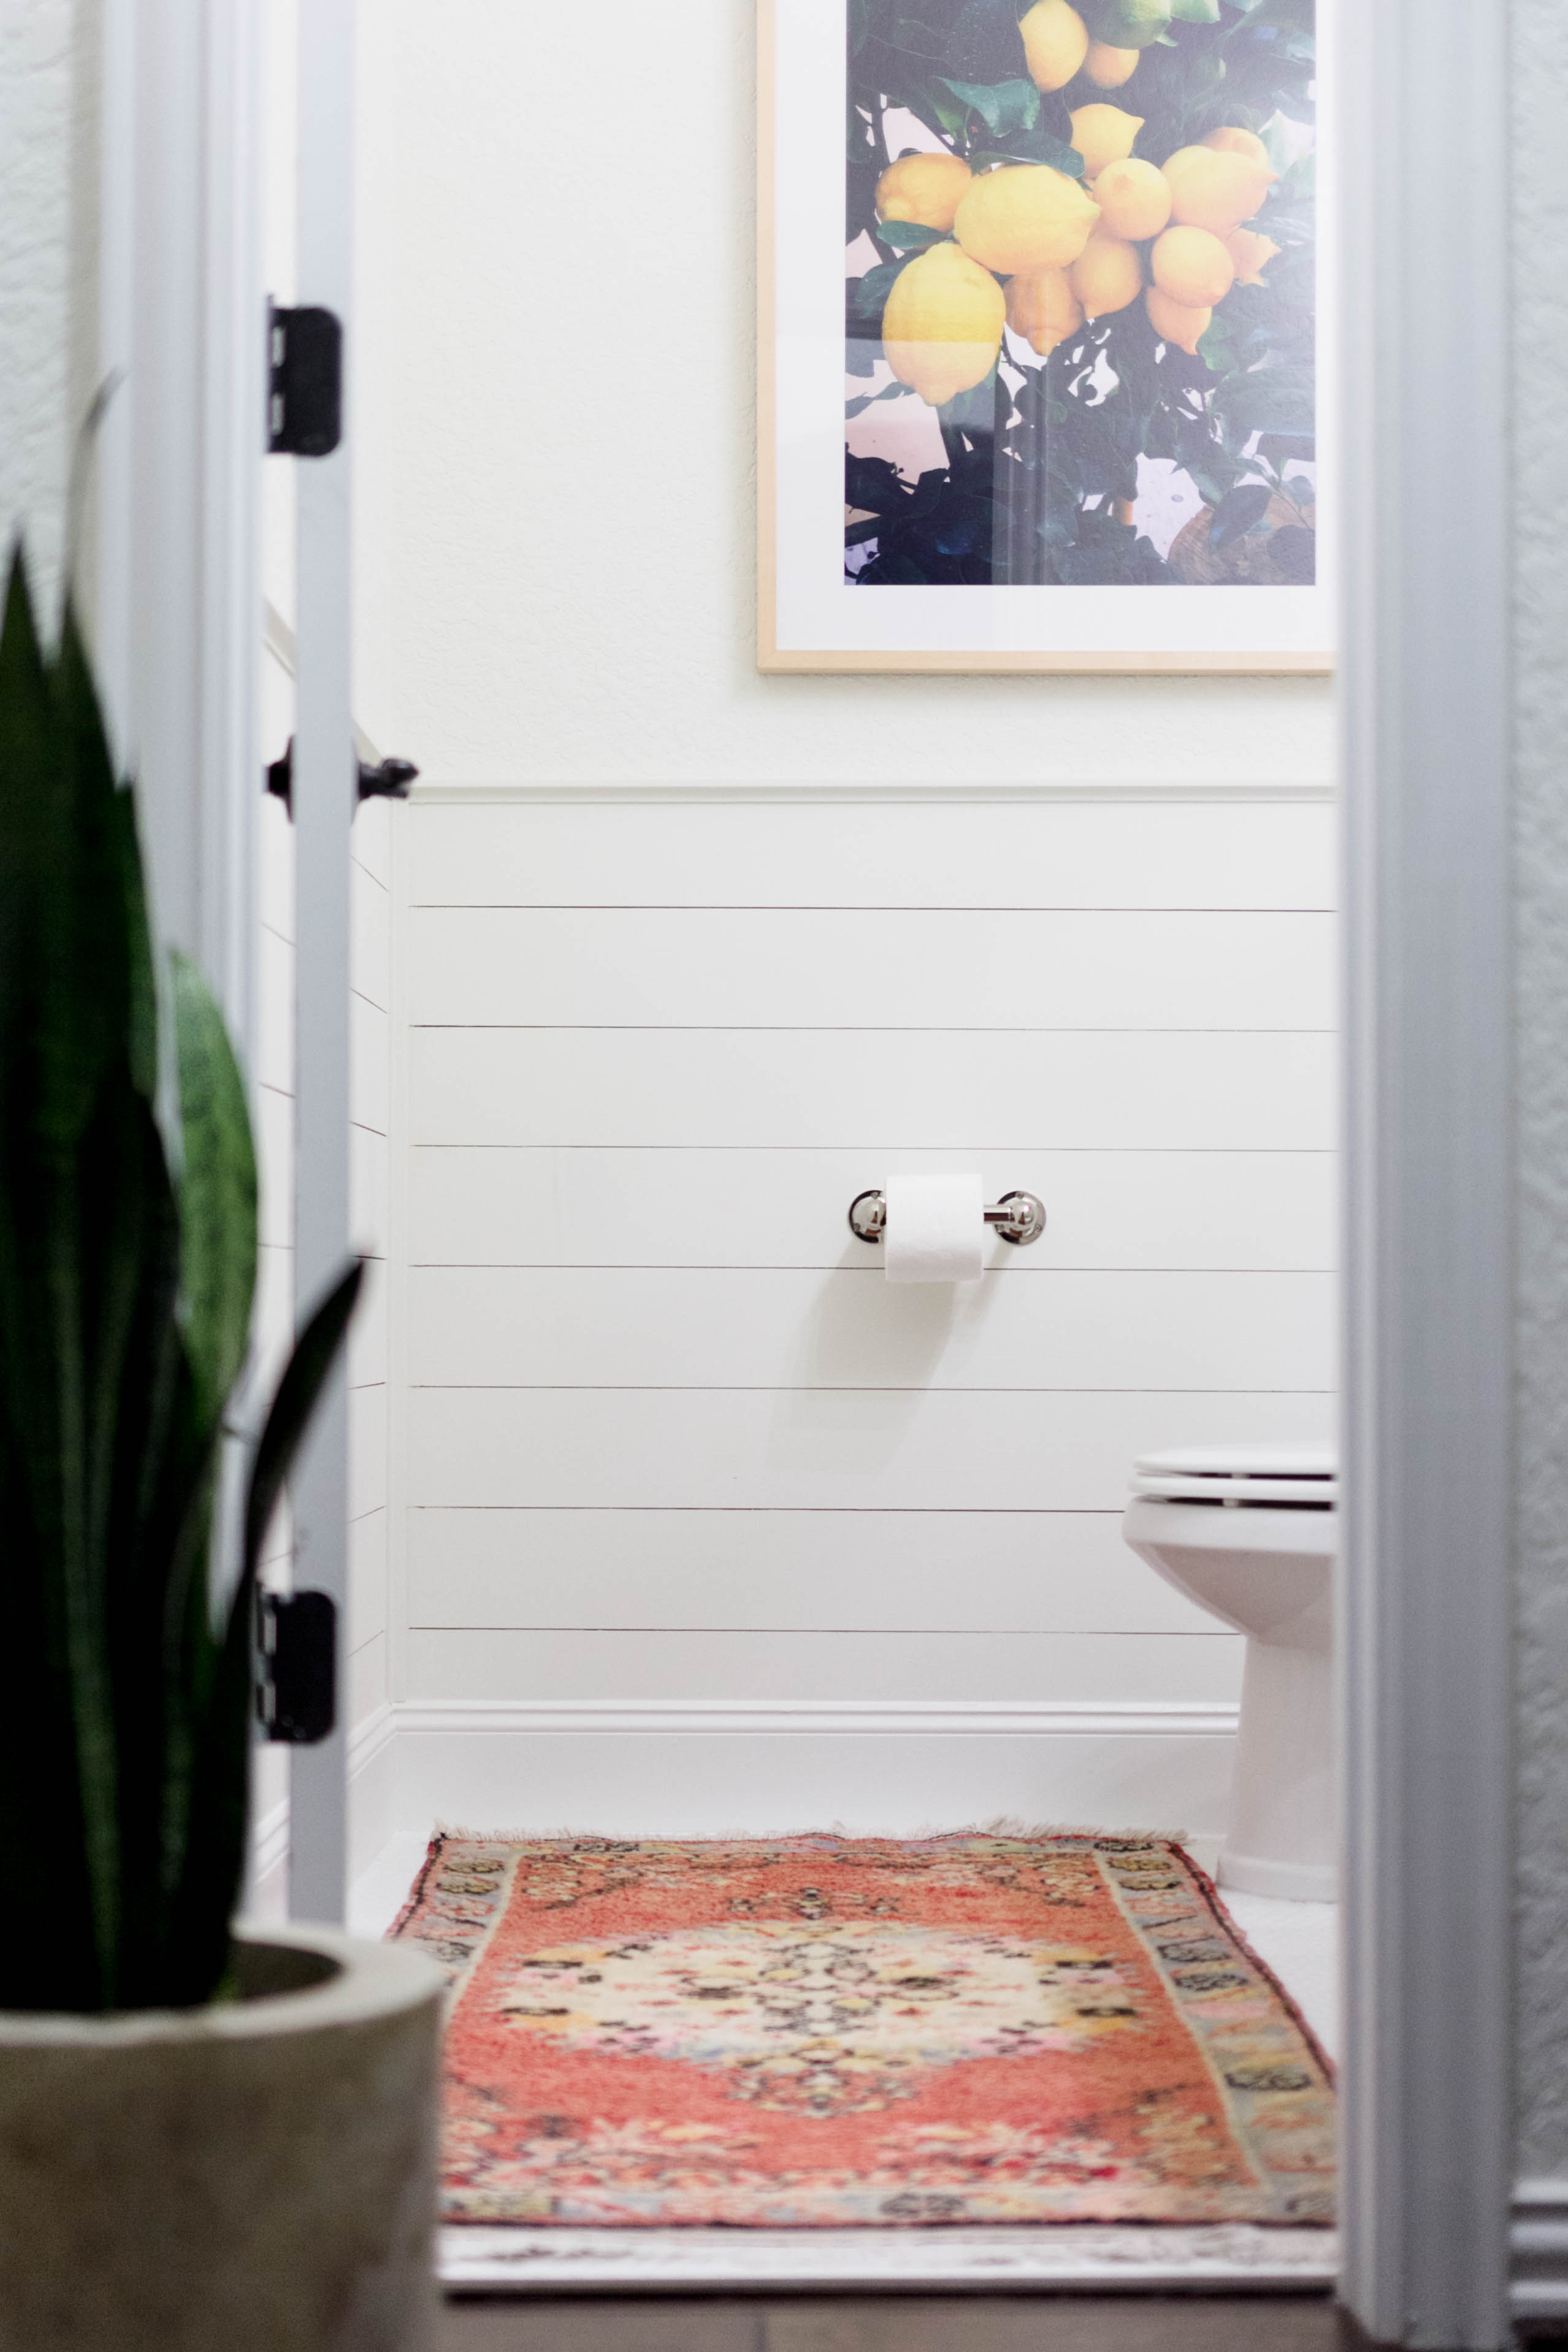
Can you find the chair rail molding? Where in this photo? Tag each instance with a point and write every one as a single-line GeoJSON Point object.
{"type": "Point", "coordinates": [1425, 1593]}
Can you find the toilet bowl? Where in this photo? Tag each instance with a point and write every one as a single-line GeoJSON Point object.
{"type": "Point", "coordinates": [1250, 1533]}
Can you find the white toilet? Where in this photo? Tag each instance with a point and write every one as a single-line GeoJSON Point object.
{"type": "Point", "coordinates": [1248, 1532]}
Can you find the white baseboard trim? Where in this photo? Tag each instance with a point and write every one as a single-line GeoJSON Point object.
{"type": "Point", "coordinates": [712, 1768]}
{"type": "Point", "coordinates": [864, 1719]}
{"type": "Point", "coordinates": [1538, 2249]}
{"type": "Point", "coordinates": [370, 1820]}
{"type": "Point", "coordinates": [709, 1768]}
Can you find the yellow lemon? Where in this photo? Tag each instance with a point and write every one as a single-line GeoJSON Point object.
{"type": "Point", "coordinates": [943, 326]}
{"type": "Point", "coordinates": [1043, 309]}
{"type": "Point", "coordinates": [1103, 134]}
{"type": "Point", "coordinates": [1134, 199]}
{"type": "Point", "coordinates": [1213, 190]}
{"type": "Point", "coordinates": [923, 188]}
{"type": "Point", "coordinates": [1107, 275]}
{"type": "Point", "coordinates": [1174, 323]}
{"type": "Point", "coordinates": [1025, 217]}
{"type": "Point", "coordinates": [1231, 140]}
{"type": "Point", "coordinates": [1107, 68]}
{"type": "Point", "coordinates": [1192, 267]}
{"type": "Point", "coordinates": [1055, 43]}
{"type": "Point", "coordinates": [1251, 255]}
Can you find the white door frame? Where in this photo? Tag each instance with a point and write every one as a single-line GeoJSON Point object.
{"type": "Point", "coordinates": [176, 593]}
{"type": "Point", "coordinates": [1424, 1601]}
{"type": "Point", "coordinates": [178, 632]}
{"type": "Point", "coordinates": [325, 797]}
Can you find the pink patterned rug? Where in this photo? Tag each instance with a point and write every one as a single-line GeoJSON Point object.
{"type": "Point", "coordinates": [827, 2032]}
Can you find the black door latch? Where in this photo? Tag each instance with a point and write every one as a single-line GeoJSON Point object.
{"type": "Point", "coordinates": [388, 781]}
{"type": "Point", "coordinates": [297, 1684]}
{"type": "Point", "coordinates": [304, 382]}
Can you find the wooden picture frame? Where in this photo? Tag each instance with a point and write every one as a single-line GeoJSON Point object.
{"type": "Point", "coordinates": [813, 618]}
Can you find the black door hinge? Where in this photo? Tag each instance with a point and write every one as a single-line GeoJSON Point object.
{"type": "Point", "coordinates": [388, 781]}
{"type": "Point", "coordinates": [296, 1682]}
{"type": "Point", "coordinates": [305, 381]}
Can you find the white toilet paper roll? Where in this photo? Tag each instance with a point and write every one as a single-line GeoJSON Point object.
{"type": "Point", "coordinates": [935, 1228]}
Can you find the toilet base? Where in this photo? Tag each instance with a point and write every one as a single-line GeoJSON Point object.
{"type": "Point", "coordinates": [1286, 1882]}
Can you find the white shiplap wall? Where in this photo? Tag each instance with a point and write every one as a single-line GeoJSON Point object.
{"type": "Point", "coordinates": [665, 1433]}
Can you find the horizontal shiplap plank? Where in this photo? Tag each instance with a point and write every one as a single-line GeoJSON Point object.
{"type": "Point", "coordinates": [1129, 854]}
{"type": "Point", "coordinates": [367, 1679]}
{"type": "Point", "coordinates": [273, 1117]}
{"type": "Point", "coordinates": [369, 954]}
{"type": "Point", "coordinates": [275, 846]}
{"type": "Point", "coordinates": [1065, 1571]}
{"type": "Point", "coordinates": [1156, 1667]}
{"type": "Point", "coordinates": [857, 1666]}
{"type": "Point", "coordinates": [366, 1451]}
{"type": "Point", "coordinates": [368, 1180]}
{"type": "Point", "coordinates": [372, 837]}
{"type": "Point", "coordinates": [367, 1577]}
{"type": "Point", "coordinates": [737, 968]}
{"type": "Point", "coordinates": [583, 1206]}
{"type": "Point", "coordinates": [585, 1327]}
{"type": "Point", "coordinates": [825, 1449]}
{"type": "Point", "coordinates": [274, 1012]}
{"type": "Point", "coordinates": [272, 1317]}
{"type": "Point", "coordinates": [803, 1089]}
{"type": "Point", "coordinates": [368, 1331]}
{"type": "Point", "coordinates": [370, 1065]}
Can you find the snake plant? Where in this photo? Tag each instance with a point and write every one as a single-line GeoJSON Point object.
{"type": "Point", "coordinates": [127, 1271]}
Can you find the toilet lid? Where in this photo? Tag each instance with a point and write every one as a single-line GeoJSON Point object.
{"type": "Point", "coordinates": [1303, 1473]}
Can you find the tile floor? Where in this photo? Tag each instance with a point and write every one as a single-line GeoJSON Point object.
{"type": "Point", "coordinates": [900, 2324]}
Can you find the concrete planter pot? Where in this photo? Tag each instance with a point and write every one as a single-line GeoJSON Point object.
{"type": "Point", "coordinates": [255, 2177]}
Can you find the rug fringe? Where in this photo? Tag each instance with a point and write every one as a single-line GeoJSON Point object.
{"type": "Point", "coordinates": [1003, 1825]}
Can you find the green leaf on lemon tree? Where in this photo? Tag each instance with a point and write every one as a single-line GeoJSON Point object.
{"type": "Point", "coordinates": [1038, 146]}
{"type": "Point", "coordinates": [871, 292]}
{"type": "Point", "coordinates": [910, 235]}
{"type": "Point", "coordinates": [1002, 106]}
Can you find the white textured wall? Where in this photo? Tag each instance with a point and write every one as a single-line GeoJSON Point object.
{"type": "Point", "coordinates": [1540, 372]}
{"type": "Point", "coordinates": [47, 203]}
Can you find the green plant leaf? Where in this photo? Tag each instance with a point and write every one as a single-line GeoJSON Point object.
{"type": "Point", "coordinates": [1002, 106]}
{"type": "Point", "coordinates": [304, 1378]}
{"type": "Point", "coordinates": [1195, 11]}
{"type": "Point", "coordinates": [216, 1193]}
{"type": "Point", "coordinates": [868, 295]}
{"type": "Point", "coordinates": [1266, 400]}
{"type": "Point", "coordinates": [1034, 147]}
{"type": "Point", "coordinates": [909, 236]}
{"type": "Point", "coordinates": [1237, 511]}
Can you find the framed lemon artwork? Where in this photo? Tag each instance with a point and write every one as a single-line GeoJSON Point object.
{"type": "Point", "coordinates": [1043, 337]}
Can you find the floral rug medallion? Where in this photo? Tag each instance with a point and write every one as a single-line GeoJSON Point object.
{"type": "Point", "coordinates": [826, 2032]}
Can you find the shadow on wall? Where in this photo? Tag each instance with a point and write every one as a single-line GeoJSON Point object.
{"type": "Point", "coordinates": [882, 1340]}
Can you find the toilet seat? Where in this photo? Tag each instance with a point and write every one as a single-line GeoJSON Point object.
{"type": "Point", "coordinates": [1278, 1476]}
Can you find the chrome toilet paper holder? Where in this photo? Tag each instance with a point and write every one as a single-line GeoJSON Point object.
{"type": "Point", "coordinates": [1016, 1216]}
